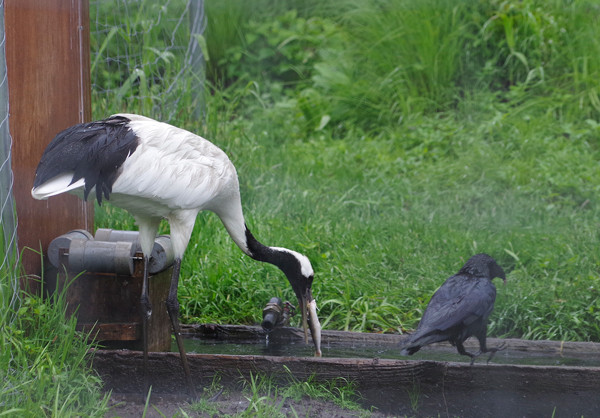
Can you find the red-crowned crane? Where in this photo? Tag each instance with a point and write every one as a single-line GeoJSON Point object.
{"type": "Point", "coordinates": [154, 171]}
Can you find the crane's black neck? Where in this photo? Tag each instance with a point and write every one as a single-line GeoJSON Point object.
{"type": "Point", "coordinates": [279, 257]}
{"type": "Point", "coordinates": [289, 262]}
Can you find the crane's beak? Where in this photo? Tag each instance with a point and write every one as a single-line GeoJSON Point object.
{"type": "Point", "coordinates": [308, 307]}
{"type": "Point", "coordinates": [304, 309]}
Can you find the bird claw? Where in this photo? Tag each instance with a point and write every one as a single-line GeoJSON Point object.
{"type": "Point", "coordinates": [494, 350]}
{"type": "Point", "coordinates": [473, 356]}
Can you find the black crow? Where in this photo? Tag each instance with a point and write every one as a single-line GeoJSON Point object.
{"type": "Point", "coordinates": [460, 308]}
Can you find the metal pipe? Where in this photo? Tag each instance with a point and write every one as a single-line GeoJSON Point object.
{"type": "Point", "coordinates": [110, 252]}
{"type": "Point", "coordinates": [63, 242]}
{"type": "Point", "coordinates": [162, 254]}
{"type": "Point", "coordinates": [272, 314]}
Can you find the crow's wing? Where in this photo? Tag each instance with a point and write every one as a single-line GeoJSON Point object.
{"type": "Point", "coordinates": [460, 301]}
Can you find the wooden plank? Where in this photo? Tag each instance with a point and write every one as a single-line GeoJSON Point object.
{"type": "Point", "coordinates": [395, 387]}
{"type": "Point", "coordinates": [446, 388]}
{"type": "Point", "coordinates": [111, 303]}
{"type": "Point", "coordinates": [130, 331]}
{"type": "Point", "coordinates": [159, 326]}
{"type": "Point", "coordinates": [47, 55]}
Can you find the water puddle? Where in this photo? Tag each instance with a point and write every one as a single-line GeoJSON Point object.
{"type": "Point", "coordinates": [291, 349]}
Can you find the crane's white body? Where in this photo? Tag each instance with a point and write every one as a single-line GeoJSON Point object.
{"type": "Point", "coordinates": [155, 170]}
{"type": "Point", "coordinates": [173, 174]}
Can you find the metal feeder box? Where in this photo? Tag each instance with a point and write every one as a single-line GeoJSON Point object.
{"type": "Point", "coordinates": [104, 275]}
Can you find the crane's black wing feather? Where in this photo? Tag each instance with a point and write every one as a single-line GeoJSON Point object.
{"type": "Point", "coordinates": [93, 151]}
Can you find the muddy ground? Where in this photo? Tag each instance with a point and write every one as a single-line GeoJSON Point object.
{"type": "Point", "coordinates": [230, 402]}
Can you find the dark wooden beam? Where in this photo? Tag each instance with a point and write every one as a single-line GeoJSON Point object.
{"type": "Point", "coordinates": [403, 387]}
{"type": "Point", "coordinates": [47, 54]}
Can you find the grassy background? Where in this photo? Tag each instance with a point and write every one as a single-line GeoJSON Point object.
{"type": "Point", "coordinates": [391, 140]}
{"type": "Point", "coordinates": [387, 140]}
{"type": "Point", "coordinates": [44, 363]}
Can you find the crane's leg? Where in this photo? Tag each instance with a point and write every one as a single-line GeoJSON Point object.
{"type": "Point", "coordinates": [173, 310]}
{"type": "Point", "coordinates": [146, 311]}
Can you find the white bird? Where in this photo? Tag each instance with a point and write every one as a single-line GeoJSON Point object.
{"type": "Point", "coordinates": [154, 171]}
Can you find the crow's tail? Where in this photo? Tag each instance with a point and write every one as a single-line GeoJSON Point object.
{"type": "Point", "coordinates": [410, 349]}
{"type": "Point", "coordinates": [421, 339]}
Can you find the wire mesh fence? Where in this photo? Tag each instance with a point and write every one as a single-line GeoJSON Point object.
{"type": "Point", "coordinates": [147, 57]}
{"type": "Point", "coordinates": [8, 217]}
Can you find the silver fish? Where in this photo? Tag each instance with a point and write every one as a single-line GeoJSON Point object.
{"type": "Point", "coordinates": [315, 326]}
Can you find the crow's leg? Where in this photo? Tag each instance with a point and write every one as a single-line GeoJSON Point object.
{"type": "Point", "coordinates": [492, 350]}
{"type": "Point", "coordinates": [146, 312]}
{"type": "Point", "coordinates": [461, 350]}
{"type": "Point", "coordinates": [173, 310]}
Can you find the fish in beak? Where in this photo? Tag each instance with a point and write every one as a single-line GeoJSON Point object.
{"type": "Point", "coordinates": [300, 274]}
{"type": "Point", "coordinates": [315, 326]}
{"type": "Point", "coordinates": [310, 320]}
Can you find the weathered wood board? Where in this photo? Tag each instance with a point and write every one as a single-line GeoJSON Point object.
{"type": "Point", "coordinates": [107, 305]}
{"type": "Point", "coordinates": [48, 71]}
{"type": "Point", "coordinates": [397, 387]}
{"type": "Point", "coordinates": [253, 334]}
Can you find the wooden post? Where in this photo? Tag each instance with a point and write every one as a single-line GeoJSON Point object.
{"type": "Point", "coordinates": [48, 65]}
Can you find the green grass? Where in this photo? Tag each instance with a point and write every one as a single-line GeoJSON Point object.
{"type": "Point", "coordinates": [281, 395]}
{"type": "Point", "coordinates": [384, 223]}
{"type": "Point", "coordinates": [45, 364]}
{"type": "Point", "coordinates": [267, 396]}
{"type": "Point", "coordinates": [400, 150]}
{"type": "Point", "coordinates": [388, 141]}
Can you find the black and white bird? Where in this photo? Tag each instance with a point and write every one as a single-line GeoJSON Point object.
{"type": "Point", "coordinates": [460, 309]}
{"type": "Point", "coordinates": [154, 171]}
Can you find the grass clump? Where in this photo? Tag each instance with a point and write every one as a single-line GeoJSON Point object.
{"type": "Point", "coordinates": [267, 397]}
{"type": "Point", "coordinates": [45, 364]}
